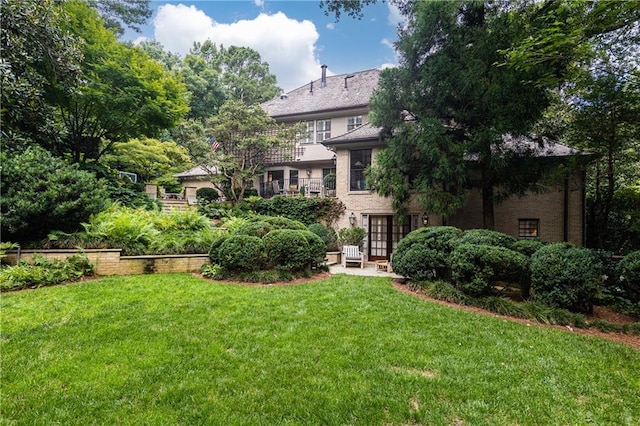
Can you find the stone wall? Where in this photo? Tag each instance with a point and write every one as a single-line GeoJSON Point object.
{"type": "Point", "coordinates": [109, 262]}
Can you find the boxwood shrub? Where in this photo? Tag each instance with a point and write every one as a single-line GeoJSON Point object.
{"type": "Point", "coordinates": [425, 253]}
{"type": "Point", "coordinates": [280, 222]}
{"type": "Point", "coordinates": [256, 229]}
{"type": "Point", "coordinates": [241, 253]}
{"type": "Point", "coordinates": [487, 237]}
{"type": "Point", "coordinates": [317, 247]}
{"type": "Point", "coordinates": [215, 246]}
{"type": "Point", "coordinates": [528, 247]}
{"type": "Point", "coordinates": [629, 276]}
{"type": "Point", "coordinates": [287, 249]}
{"type": "Point", "coordinates": [566, 276]}
{"type": "Point", "coordinates": [328, 235]}
{"type": "Point", "coordinates": [476, 268]}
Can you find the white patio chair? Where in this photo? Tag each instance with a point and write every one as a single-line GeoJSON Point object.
{"type": "Point", "coordinates": [352, 254]}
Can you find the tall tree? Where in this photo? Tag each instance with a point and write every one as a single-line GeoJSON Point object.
{"type": "Point", "coordinates": [118, 14]}
{"type": "Point", "coordinates": [37, 54]}
{"type": "Point", "coordinates": [244, 75]}
{"type": "Point", "coordinates": [124, 93]}
{"type": "Point", "coordinates": [449, 102]}
{"type": "Point", "coordinates": [244, 138]}
{"type": "Point", "coordinates": [606, 123]}
{"type": "Point", "coordinates": [201, 74]}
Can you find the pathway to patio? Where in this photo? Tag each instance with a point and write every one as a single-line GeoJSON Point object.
{"type": "Point", "coordinates": [368, 270]}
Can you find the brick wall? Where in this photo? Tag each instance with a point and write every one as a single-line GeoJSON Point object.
{"type": "Point", "coordinates": [548, 207]}
{"type": "Point", "coordinates": [109, 262]}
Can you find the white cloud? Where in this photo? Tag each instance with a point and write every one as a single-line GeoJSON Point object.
{"type": "Point", "coordinates": [388, 65]}
{"type": "Point", "coordinates": [288, 45]}
{"type": "Point", "coordinates": [395, 18]}
{"type": "Point", "coordinates": [331, 26]}
{"type": "Point", "coordinates": [259, 3]}
{"type": "Point", "coordinates": [388, 43]}
{"type": "Point", "coordinates": [139, 40]}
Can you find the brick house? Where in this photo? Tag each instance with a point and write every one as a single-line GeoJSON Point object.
{"type": "Point", "coordinates": [341, 140]}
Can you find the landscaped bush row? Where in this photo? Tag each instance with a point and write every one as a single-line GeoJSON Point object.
{"type": "Point", "coordinates": [483, 263]}
{"type": "Point", "coordinates": [266, 243]}
{"type": "Point", "coordinates": [140, 231]}
{"type": "Point", "coordinates": [44, 272]}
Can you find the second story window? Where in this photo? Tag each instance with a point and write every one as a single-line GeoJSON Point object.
{"type": "Point", "coordinates": [359, 159]}
{"type": "Point", "coordinates": [353, 122]}
{"type": "Point", "coordinates": [323, 130]}
{"type": "Point", "coordinates": [307, 136]}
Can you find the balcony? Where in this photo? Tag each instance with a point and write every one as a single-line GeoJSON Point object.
{"type": "Point", "coordinates": [307, 187]}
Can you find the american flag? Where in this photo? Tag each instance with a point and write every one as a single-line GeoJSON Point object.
{"type": "Point", "coordinates": [215, 145]}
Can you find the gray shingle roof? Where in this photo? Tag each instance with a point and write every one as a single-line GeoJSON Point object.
{"type": "Point", "coordinates": [333, 96]}
{"type": "Point", "coordinates": [366, 132]}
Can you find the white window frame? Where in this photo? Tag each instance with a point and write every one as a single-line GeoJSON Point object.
{"type": "Point", "coordinates": [354, 122]}
{"type": "Point", "coordinates": [307, 136]}
{"type": "Point", "coordinates": [323, 130]}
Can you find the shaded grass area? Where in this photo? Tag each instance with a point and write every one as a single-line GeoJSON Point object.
{"type": "Point", "coordinates": [174, 349]}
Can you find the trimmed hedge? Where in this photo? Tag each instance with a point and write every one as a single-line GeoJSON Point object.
{"type": "Point", "coordinates": [207, 195]}
{"type": "Point", "coordinates": [425, 252]}
{"type": "Point", "coordinates": [629, 276]}
{"type": "Point", "coordinates": [317, 247]}
{"type": "Point", "coordinates": [287, 249]}
{"type": "Point", "coordinates": [280, 222]}
{"type": "Point", "coordinates": [241, 253]}
{"type": "Point", "coordinates": [257, 229]}
{"type": "Point", "coordinates": [487, 237]}
{"type": "Point", "coordinates": [566, 276]}
{"type": "Point", "coordinates": [528, 247]}
{"type": "Point", "coordinates": [328, 235]}
{"type": "Point", "coordinates": [477, 268]}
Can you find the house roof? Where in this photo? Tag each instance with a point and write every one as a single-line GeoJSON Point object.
{"type": "Point", "coordinates": [197, 171]}
{"type": "Point", "coordinates": [332, 97]}
{"type": "Point", "coordinates": [366, 132]}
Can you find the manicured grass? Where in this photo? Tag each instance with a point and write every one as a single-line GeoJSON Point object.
{"type": "Point", "coordinates": [174, 349]}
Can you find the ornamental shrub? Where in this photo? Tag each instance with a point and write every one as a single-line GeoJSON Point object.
{"type": "Point", "coordinates": [207, 195]}
{"type": "Point", "coordinates": [240, 253]}
{"type": "Point", "coordinates": [287, 249]}
{"type": "Point", "coordinates": [43, 272]}
{"type": "Point", "coordinates": [351, 236]}
{"type": "Point", "coordinates": [476, 268]}
{"type": "Point", "coordinates": [317, 247]}
{"type": "Point", "coordinates": [257, 229]}
{"type": "Point", "coordinates": [280, 222]}
{"type": "Point", "coordinates": [566, 276]}
{"type": "Point", "coordinates": [425, 253]}
{"type": "Point", "coordinates": [487, 237]}
{"type": "Point", "coordinates": [41, 193]}
{"type": "Point", "coordinates": [528, 247]}
{"type": "Point", "coordinates": [629, 276]}
{"type": "Point", "coordinates": [327, 234]}
{"type": "Point", "coordinates": [215, 247]}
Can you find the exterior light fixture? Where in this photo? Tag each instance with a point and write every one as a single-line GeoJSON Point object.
{"type": "Point", "coordinates": [425, 219]}
{"type": "Point", "coordinates": [334, 159]}
{"type": "Point", "coordinates": [352, 219]}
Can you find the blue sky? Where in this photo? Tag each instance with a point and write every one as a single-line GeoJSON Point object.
{"type": "Point", "coordinates": [294, 37]}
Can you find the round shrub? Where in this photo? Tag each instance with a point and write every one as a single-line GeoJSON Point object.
{"type": "Point", "coordinates": [280, 222]}
{"type": "Point", "coordinates": [477, 268]}
{"type": "Point", "coordinates": [327, 234]}
{"type": "Point", "coordinates": [527, 247]}
{"type": "Point", "coordinates": [629, 276]}
{"type": "Point", "coordinates": [317, 247]}
{"type": "Point", "coordinates": [287, 249]}
{"type": "Point", "coordinates": [257, 229]}
{"type": "Point", "coordinates": [239, 253]}
{"type": "Point", "coordinates": [207, 195]}
{"type": "Point", "coordinates": [419, 263]}
{"type": "Point", "coordinates": [487, 237]}
{"type": "Point", "coordinates": [215, 246]}
{"type": "Point", "coordinates": [425, 251]}
{"type": "Point", "coordinates": [565, 276]}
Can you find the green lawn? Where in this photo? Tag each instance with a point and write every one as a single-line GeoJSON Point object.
{"type": "Point", "coordinates": [174, 349]}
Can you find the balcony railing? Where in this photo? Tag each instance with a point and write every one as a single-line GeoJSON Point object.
{"type": "Point", "coordinates": [309, 187]}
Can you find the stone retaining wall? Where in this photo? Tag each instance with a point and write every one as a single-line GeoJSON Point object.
{"type": "Point", "coordinates": [109, 261]}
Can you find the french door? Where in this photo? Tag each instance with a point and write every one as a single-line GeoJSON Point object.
{"type": "Point", "coordinates": [384, 234]}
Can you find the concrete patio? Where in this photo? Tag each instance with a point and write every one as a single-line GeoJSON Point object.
{"type": "Point", "coordinates": [368, 270]}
